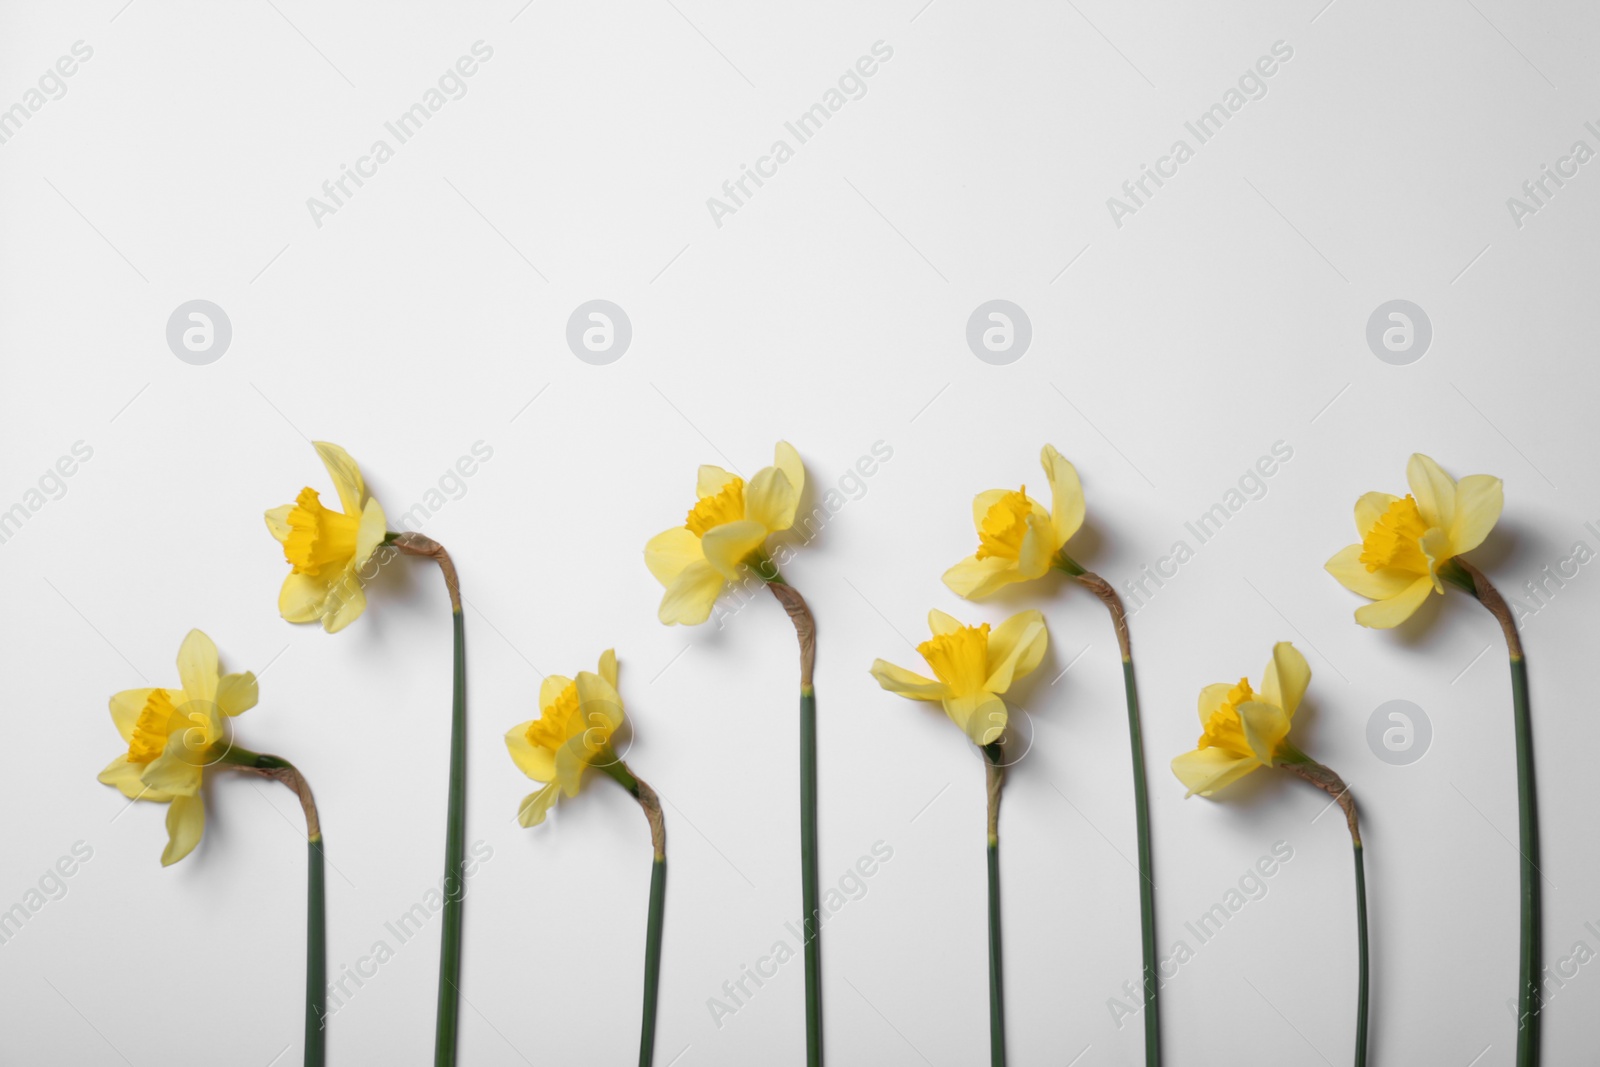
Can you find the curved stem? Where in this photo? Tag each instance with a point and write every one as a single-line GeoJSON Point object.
{"type": "Point", "coordinates": [805, 628]}
{"type": "Point", "coordinates": [651, 804]}
{"type": "Point", "coordinates": [1141, 806]}
{"type": "Point", "coordinates": [995, 776]}
{"type": "Point", "coordinates": [1529, 956]}
{"type": "Point", "coordinates": [1297, 762]}
{"type": "Point", "coordinates": [316, 897]}
{"type": "Point", "coordinates": [455, 839]}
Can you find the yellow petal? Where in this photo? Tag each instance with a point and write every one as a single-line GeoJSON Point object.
{"type": "Point", "coordinates": [975, 578]}
{"type": "Point", "coordinates": [786, 459]}
{"type": "Point", "coordinates": [1370, 508]}
{"type": "Point", "coordinates": [125, 709]}
{"type": "Point", "coordinates": [278, 522]}
{"type": "Point", "coordinates": [197, 667]}
{"type": "Point", "coordinates": [771, 500]}
{"type": "Point", "coordinates": [125, 776]}
{"type": "Point", "coordinates": [691, 595]}
{"type": "Point", "coordinates": [608, 666]}
{"type": "Point", "coordinates": [940, 623]}
{"type": "Point", "coordinates": [345, 474]}
{"type": "Point", "coordinates": [1066, 494]}
{"type": "Point", "coordinates": [186, 821]}
{"type": "Point", "coordinates": [569, 766]}
{"type": "Point", "coordinates": [300, 599]}
{"type": "Point", "coordinates": [371, 532]}
{"type": "Point", "coordinates": [1205, 770]}
{"type": "Point", "coordinates": [533, 760]}
{"type": "Point", "coordinates": [1212, 697]}
{"type": "Point", "coordinates": [1479, 500]}
{"type": "Point", "coordinates": [1391, 612]}
{"type": "Point", "coordinates": [727, 546]}
{"type": "Point", "coordinates": [711, 480]}
{"type": "Point", "coordinates": [171, 772]}
{"type": "Point", "coordinates": [906, 683]}
{"type": "Point", "coordinates": [1265, 726]}
{"type": "Point", "coordinates": [237, 693]}
{"type": "Point", "coordinates": [346, 601]}
{"type": "Point", "coordinates": [983, 502]}
{"type": "Point", "coordinates": [600, 705]}
{"type": "Point", "coordinates": [981, 715]}
{"type": "Point", "coordinates": [1039, 545]}
{"type": "Point", "coordinates": [1436, 549]}
{"type": "Point", "coordinates": [1016, 648]}
{"type": "Point", "coordinates": [1434, 490]}
{"type": "Point", "coordinates": [670, 551]}
{"type": "Point", "coordinates": [1346, 566]}
{"type": "Point", "coordinates": [535, 806]}
{"type": "Point", "coordinates": [1286, 678]}
{"type": "Point", "coordinates": [550, 689]}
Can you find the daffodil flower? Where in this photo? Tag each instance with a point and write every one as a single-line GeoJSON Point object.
{"type": "Point", "coordinates": [1019, 538]}
{"type": "Point", "coordinates": [577, 718]}
{"type": "Point", "coordinates": [973, 666]}
{"type": "Point", "coordinates": [727, 527]}
{"type": "Point", "coordinates": [1412, 546]}
{"type": "Point", "coordinates": [1407, 542]}
{"type": "Point", "coordinates": [1243, 730]}
{"type": "Point", "coordinates": [173, 735]}
{"type": "Point", "coordinates": [326, 549]}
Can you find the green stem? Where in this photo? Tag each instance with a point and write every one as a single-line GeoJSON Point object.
{"type": "Point", "coordinates": [277, 767]}
{"type": "Point", "coordinates": [1528, 830]}
{"type": "Point", "coordinates": [1147, 895]}
{"type": "Point", "coordinates": [1529, 955]}
{"type": "Point", "coordinates": [1361, 951]}
{"type": "Point", "coordinates": [805, 628]}
{"type": "Point", "coordinates": [1141, 804]}
{"type": "Point", "coordinates": [455, 832]}
{"type": "Point", "coordinates": [1296, 762]}
{"type": "Point", "coordinates": [997, 1009]}
{"type": "Point", "coordinates": [808, 874]}
{"type": "Point", "coordinates": [316, 956]}
{"type": "Point", "coordinates": [652, 960]}
{"type": "Point", "coordinates": [651, 804]}
{"type": "Point", "coordinates": [455, 844]}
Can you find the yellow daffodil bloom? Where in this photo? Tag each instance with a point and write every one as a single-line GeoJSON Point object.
{"type": "Point", "coordinates": [728, 525]}
{"type": "Point", "coordinates": [1244, 729]}
{"type": "Point", "coordinates": [577, 717]}
{"type": "Point", "coordinates": [327, 548]}
{"type": "Point", "coordinates": [173, 735]}
{"type": "Point", "coordinates": [1018, 539]}
{"type": "Point", "coordinates": [1406, 541]}
{"type": "Point", "coordinates": [972, 666]}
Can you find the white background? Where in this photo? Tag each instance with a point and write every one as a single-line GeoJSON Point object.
{"type": "Point", "coordinates": [1168, 354]}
